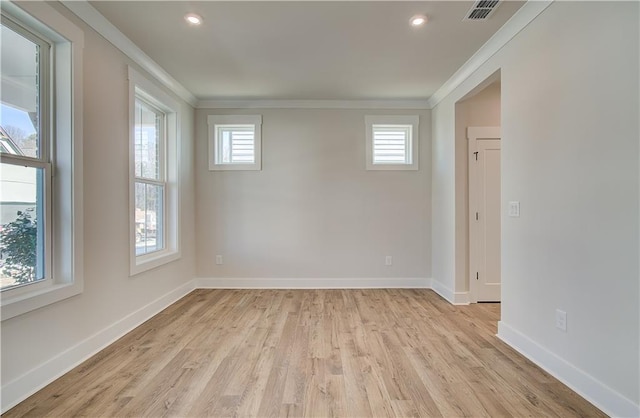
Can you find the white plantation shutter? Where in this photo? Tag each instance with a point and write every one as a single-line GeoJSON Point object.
{"type": "Point", "coordinates": [236, 144]}
{"type": "Point", "coordinates": [392, 144]}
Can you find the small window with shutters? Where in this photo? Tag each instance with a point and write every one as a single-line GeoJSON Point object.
{"type": "Point", "coordinates": [392, 142]}
{"type": "Point", "coordinates": [234, 142]}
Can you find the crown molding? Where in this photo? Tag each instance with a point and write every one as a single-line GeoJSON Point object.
{"type": "Point", "coordinates": [312, 104]}
{"type": "Point", "coordinates": [100, 24]}
{"type": "Point", "coordinates": [525, 15]}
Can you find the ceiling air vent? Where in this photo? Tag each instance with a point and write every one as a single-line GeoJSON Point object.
{"type": "Point", "coordinates": [482, 9]}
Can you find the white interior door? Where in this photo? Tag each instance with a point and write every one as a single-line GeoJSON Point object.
{"type": "Point", "coordinates": [484, 214]}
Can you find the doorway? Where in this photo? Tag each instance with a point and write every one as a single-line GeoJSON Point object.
{"type": "Point", "coordinates": [481, 108]}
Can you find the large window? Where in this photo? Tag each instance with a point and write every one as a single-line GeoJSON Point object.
{"type": "Point", "coordinates": [26, 167]}
{"type": "Point", "coordinates": [154, 183]}
{"type": "Point", "coordinates": [40, 132]}
{"type": "Point", "coordinates": [235, 142]}
{"type": "Point", "coordinates": [150, 184]}
{"type": "Point", "coordinates": [392, 142]}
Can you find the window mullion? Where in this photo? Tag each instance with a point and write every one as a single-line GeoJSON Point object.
{"type": "Point", "coordinates": [153, 182]}
{"type": "Point", "coordinates": [24, 161]}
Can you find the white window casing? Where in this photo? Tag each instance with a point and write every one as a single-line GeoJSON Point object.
{"type": "Point", "coordinates": [60, 128]}
{"type": "Point", "coordinates": [235, 142]}
{"type": "Point", "coordinates": [392, 142]}
{"type": "Point", "coordinates": [143, 91]}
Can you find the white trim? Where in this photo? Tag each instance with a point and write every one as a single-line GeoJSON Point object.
{"type": "Point", "coordinates": [414, 141]}
{"type": "Point", "coordinates": [235, 119]}
{"type": "Point", "coordinates": [442, 290]}
{"type": "Point", "coordinates": [319, 283]}
{"type": "Point", "coordinates": [475, 134]}
{"type": "Point", "coordinates": [100, 24]}
{"type": "Point", "coordinates": [525, 15]}
{"type": "Point", "coordinates": [57, 23]}
{"type": "Point", "coordinates": [213, 121]}
{"type": "Point", "coordinates": [29, 383]}
{"type": "Point", "coordinates": [461, 298]}
{"type": "Point", "coordinates": [312, 104]}
{"type": "Point", "coordinates": [68, 180]}
{"type": "Point", "coordinates": [599, 394]}
{"type": "Point", "coordinates": [154, 94]}
{"type": "Point", "coordinates": [483, 132]}
{"type": "Point", "coordinates": [454, 298]}
{"type": "Point", "coordinates": [140, 86]}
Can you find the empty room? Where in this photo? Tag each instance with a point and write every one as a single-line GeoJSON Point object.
{"type": "Point", "coordinates": [320, 208]}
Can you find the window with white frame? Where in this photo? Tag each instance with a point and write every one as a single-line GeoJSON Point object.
{"type": "Point", "coordinates": [40, 132]}
{"type": "Point", "coordinates": [154, 182]}
{"type": "Point", "coordinates": [150, 179]}
{"type": "Point", "coordinates": [234, 142]}
{"type": "Point", "coordinates": [392, 142]}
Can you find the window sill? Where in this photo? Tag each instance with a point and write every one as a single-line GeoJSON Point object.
{"type": "Point", "coordinates": [29, 301]}
{"type": "Point", "coordinates": [140, 264]}
{"type": "Point", "coordinates": [392, 167]}
{"type": "Point", "coordinates": [235, 167]}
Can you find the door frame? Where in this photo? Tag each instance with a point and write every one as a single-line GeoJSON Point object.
{"type": "Point", "coordinates": [475, 134]}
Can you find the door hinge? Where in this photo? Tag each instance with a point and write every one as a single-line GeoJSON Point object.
{"type": "Point", "coordinates": [477, 277]}
{"type": "Point", "coordinates": [476, 216]}
{"type": "Point", "coordinates": [476, 154]}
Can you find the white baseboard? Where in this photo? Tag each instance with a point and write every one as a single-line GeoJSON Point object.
{"type": "Point", "coordinates": [29, 383]}
{"type": "Point", "coordinates": [608, 400]}
{"type": "Point", "coordinates": [455, 298]}
{"type": "Point", "coordinates": [251, 283]}
{"type": "Point", "coordinates": [461, 298]}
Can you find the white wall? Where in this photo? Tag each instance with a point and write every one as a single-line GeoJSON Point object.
{"type": "Point", "coordinates": [35, 345]}
{"type": "Point", "coordinates": [313, 212]}
{"type": "Point", "coordinates": [570, 156]}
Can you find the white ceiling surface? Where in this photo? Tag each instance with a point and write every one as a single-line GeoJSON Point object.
{"type": "Point", "coordinates": [307, 50]}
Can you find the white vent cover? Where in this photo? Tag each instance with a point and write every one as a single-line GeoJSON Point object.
{"type": "Point", "coordinates": [482, 9]}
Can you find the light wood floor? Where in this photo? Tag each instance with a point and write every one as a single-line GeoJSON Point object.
{"type": "Point", "coordinates": [346, 353]}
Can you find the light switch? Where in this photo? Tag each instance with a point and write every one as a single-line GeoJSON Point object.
{"type": "Point", "coordinates": [514, 209]}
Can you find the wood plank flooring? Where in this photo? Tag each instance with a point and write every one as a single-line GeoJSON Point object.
{"type": "Point", "coordinates": [315, 353]}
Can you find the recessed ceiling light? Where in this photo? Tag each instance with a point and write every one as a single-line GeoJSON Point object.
{"type": "Point", "coordinates": [193, 19]}
{"type": "Point", "coordinates": [418, 20]}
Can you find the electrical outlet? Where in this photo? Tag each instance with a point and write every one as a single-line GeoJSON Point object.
{"type": "Point", "coordinates": [218, 259]}
{"type": "Point", "coordinates": [561, 320]}
{"type": "Point", "coordinates": [514, 209]}
{"type": "Point", "coordinates": [388, 260]}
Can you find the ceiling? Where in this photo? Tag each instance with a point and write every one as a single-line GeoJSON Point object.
{"type": "Point", "coordinates": [306, 50]}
